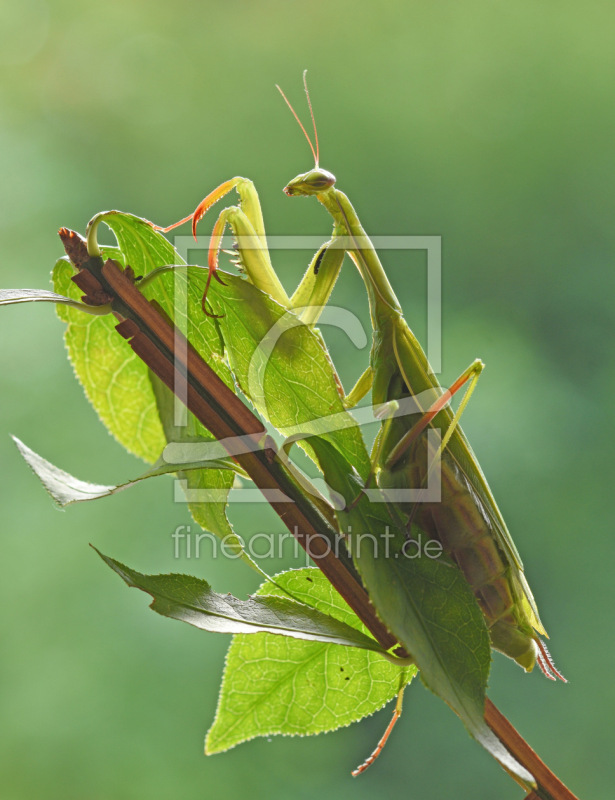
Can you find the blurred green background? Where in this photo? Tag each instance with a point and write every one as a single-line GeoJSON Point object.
{"type": "Point", "coordinates": [491, 124]}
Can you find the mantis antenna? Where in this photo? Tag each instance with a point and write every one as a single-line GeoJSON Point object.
{"type": "Point", "coordinates": [315, 152]}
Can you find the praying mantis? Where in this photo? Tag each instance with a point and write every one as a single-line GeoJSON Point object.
{"type": "Point", "coordinates": [466, 519]}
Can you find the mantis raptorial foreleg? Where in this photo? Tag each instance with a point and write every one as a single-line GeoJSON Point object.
{"type": "Point", "coordinates": [314, 291]}
{"type": "Point", "coordinates": [246, 223]}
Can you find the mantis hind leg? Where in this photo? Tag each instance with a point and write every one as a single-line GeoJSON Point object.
{"type": "Point", "coordinates": [469, 376]}
{"type": "Point", "coordinates": [383, 740]}
{"type": "Point", "coordinates": [389, 411]}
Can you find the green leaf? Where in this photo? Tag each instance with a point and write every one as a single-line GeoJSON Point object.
{"type": "Point", "coordinates": [425, 602]}
{"type": "Point", "coordinates": [114, 379]}
{"type": "Point", "coordinates": [65, 489]}
{"type": "Point", "coordinates": [206, 489]}
{"type": "Point", "coordinates": [282, 366]}
{"type": "Point", "coordinates": [192, 600]}
{"type": "Point", "coordinates": [136, 408]}
{"type": "Point", "coordinates": [143, 247]}
{"type": "Point", "coordinates": [145, 250]}
{"type": "Point", "coordinates": [12, 296]}
{"type": "Point", "coordinates": [279, 685]}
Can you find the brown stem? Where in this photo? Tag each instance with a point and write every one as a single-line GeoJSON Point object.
{"type": "Point", "coordinates": [154, 339]}
{"type": "Point", "coordinates": [549, 785]}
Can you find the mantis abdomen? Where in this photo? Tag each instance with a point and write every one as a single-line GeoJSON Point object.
{"type": "Point", "coordinates": [462, 525]}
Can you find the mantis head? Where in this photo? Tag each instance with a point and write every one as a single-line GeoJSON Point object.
{"type": "Point", "coordinates": [313, 182]}
{"type": "Point", "coordinates": [317, 180]}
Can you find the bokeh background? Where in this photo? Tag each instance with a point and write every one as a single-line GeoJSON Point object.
{"type": "Point", "coordinates": [488, 123]}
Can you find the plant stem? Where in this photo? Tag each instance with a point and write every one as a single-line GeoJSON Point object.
{"type": "Point", "coordinates": [549, 785]}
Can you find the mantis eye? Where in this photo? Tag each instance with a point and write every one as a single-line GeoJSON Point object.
{"type": "Point", "coordinates": [313, 182]}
